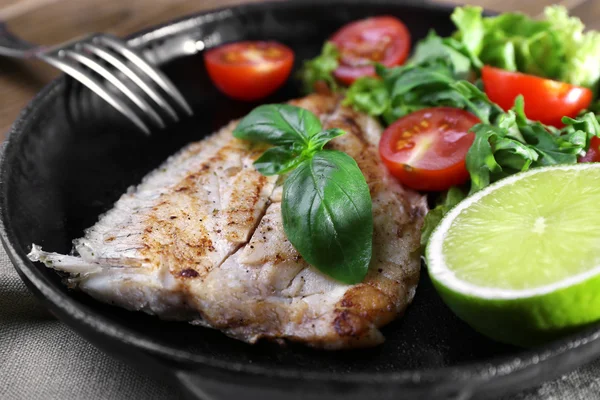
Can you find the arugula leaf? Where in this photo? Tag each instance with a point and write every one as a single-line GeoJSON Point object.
{"type": "Point", "coordinates": [484, 165]}
{"type": "Point", "coordinates": [321, 68]}
{"type": "Point", "coordinates": [327, 215]}
{"type": "Point", "coordinates": [278, 124]}
{"type": "Point", "coordinates": [514, 143]}
{"type": "Point", "coordinates": [456, 53]}
{"type": "Point", "coordinates": [402, 90]}
{"type": "Point", "coordinates": [452, 197]}
{"type": "Point", "coordinates": [326, 205]}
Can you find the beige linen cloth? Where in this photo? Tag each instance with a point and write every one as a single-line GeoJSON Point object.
{"type": "Point", "coordinates": [41, 358]}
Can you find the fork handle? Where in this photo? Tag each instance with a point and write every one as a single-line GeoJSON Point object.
{"type": "Point", "coordinates": [12, 46]}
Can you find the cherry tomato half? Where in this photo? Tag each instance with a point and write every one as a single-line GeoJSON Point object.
{"type": "Point", "coordinates": [384, 39]}
{"type": "Point", "coordinates": [546, 100]}
{"type": "Point", "coordinates": [593, 153]}
{"type": "Point", "coordinates": [426, 150]}
{"type": "Point", "coordinates": [249, 70]}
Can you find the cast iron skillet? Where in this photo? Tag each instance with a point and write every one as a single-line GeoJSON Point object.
{"type": "Point", "coordinates": [69, 157]}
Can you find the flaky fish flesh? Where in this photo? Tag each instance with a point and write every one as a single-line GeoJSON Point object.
{"type": "Point", "coordinates": [200, 239]}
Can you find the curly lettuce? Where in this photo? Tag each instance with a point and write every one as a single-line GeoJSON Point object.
{"type": "Point", "coordinates": [582, 49]}
{"type": "Point", "coordinates": [554, 47]}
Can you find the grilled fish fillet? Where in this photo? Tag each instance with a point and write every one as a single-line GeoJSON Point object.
{"type": "Point", "coordinates": [201, 240]}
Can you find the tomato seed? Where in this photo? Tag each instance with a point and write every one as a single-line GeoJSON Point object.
{"type": "Point", "coordinates": [404, 144]}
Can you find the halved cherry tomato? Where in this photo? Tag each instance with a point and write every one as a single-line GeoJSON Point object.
{"type": "Point", "coordinates": [593, 153]}
{"type": "Point", "coordinates": [546, 100]}
{"type": "Point", "coordinates": [385, 40]}
{"type": "Point", "coordinates": [249, 70]}
{"type": "Point", "coordinates": [426, 150]}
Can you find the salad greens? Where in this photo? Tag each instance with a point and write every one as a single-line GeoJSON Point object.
{"type": "Point", "coordinates": [554, 47]}
{"type": "Point", "coordinates": [326, 206]}
{"type": "Point", "coordinates": [443, 71]}
{"type": "Point", "coordinates": [320, 69]}
{"type": "Point", "coordinates": [505, 143]}
{"type": "Point", "coordinates": [403, 90]}
{"type": "Point", "coordinates": [449, 199]}
{"type": "Point", "coordinates": [514, 143]}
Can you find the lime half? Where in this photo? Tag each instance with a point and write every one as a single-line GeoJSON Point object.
{"type": "Point", "coordinates": [519, 261]}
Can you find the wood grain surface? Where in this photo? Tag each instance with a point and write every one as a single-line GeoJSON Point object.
{"type": "Point", "coordinates": [54, 21]}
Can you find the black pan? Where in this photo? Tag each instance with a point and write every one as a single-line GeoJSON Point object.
{"type": "Point", "coordinates": [69, 156]}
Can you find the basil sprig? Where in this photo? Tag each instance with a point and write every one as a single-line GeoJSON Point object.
{"type": "Point", "coordinates": [326, 206]}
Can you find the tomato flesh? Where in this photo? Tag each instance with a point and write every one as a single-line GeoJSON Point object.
{"type": "Point", "coordinates": [249, 70]}
{"type": "Point", "coordinates": [593, 153]}
{"type": "Point", "coordinates": [426, 149]}
{"type": "Point", "coordinates": [546, 100]}
{"type": "Point", "coordinates": [384, 39]}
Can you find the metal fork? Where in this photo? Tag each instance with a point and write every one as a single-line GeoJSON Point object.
{"type": "Point", "coordinates": [98, 60]}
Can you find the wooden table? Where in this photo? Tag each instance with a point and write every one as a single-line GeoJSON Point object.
{"type": "Point", "coordinates": [54, 21]}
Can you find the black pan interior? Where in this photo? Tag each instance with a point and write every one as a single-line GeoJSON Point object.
{"type": "Point", "coordinates": [72, 156]}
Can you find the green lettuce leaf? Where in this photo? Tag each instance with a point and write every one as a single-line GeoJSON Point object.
{"type": "Point", "coordinates": [369, 95]}
{"type": "Point", "coordinates": [582, 50]}
{"type": "Point", "coordinates": [511, 41]}
{"type": "Point", "coordinates": [321, 68]}
{"type": "Point", "coordinates": [554, 47]}
{"type": "Point", "coordinates": [469, 21]}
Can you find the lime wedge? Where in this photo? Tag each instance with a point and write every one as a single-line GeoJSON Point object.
{"type": "Point", "coordinates": [519, 261]}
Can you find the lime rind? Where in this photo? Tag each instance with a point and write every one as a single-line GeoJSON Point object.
{"type": "Point", "coordinates": [528, 321]}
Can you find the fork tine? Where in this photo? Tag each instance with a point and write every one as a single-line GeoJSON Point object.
{"type": "Point", "coordinates": [154, 95]}
{"type": "Point", "coordinates": [97, 88]}
{"type": "Point", "coordinates": [152, 72]}
{"type": "Point", "coordinates": [109, 76]}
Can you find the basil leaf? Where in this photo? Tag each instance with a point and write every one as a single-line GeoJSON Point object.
{"type": "Point", "coordinates": [278, 124]}
{"type": "Point", "coordinates": [327, 215]}
{"type": "Point", "coordinates": [321, 68]}
{"type": "Point", "coordinates": [318, 140]}
{"type": "Point", "coordinates": [277, 161]}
